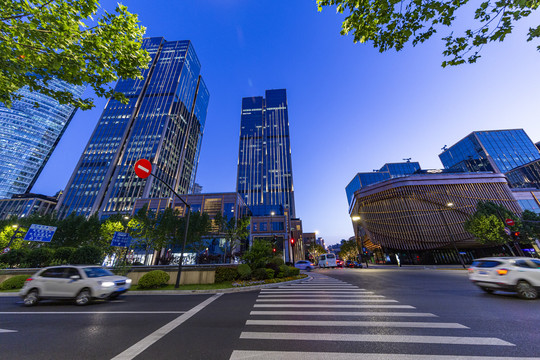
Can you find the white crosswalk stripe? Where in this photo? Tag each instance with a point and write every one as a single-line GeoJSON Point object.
{"type": "Point", "coordinates": [317, 311]}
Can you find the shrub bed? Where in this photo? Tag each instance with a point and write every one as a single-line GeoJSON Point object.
{"type": "Point", "coordinates": [153, 279]}
{"type": "Point", "coordinates": [226, 274]}
{"type": "Point", "coordinates": [14, 282]}
{"type": "Point", "coordinates": [244, 272]}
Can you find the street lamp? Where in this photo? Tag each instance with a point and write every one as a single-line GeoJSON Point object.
{"type": "Point", "coordinates": [450, 205]}
{"type": "Point", "coordinates": [356, 220]}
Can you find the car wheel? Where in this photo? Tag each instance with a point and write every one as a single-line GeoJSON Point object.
{"type": "Point", "coordinates": [31, 298]}
{"type": "Point", "coordinates": [488, 290]}
{"type": "Point", "coordinates": [526, 291]}
{"type": "Point", "coordinates": [83, 297]}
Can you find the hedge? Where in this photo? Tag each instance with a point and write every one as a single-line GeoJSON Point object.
{"type": "Point", "coordinates": [244, 271]}
{"type": "Point", "coordinates": [226, 274]}
{"type": "Point", "coordinates": [153, 279]}
{"type": "Point", "coordinates": [14, 282]}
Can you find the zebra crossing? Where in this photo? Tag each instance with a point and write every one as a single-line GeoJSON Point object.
{"type": "Point", "coordinates": [322, 312]}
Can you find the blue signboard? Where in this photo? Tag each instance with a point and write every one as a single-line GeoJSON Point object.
{"type": "Point", "coordinates": [121, 239]}
{"type": "Point", "coordinates": [40, 233]}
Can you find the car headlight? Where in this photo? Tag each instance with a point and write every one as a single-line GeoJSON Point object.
{"type": "Point", "coordinates": [106, 283]}
{"type": "Point", "coordinates": [128, 281]}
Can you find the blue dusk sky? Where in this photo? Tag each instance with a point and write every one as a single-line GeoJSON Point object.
{"type": "Point", "coordinates": [351, 108]}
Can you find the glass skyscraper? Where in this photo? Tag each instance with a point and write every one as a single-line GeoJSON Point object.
{"type": "Point", "coordinates": [498, 151]}
{"type": "Point", "coordinates": [29, 134]}
{"type": "Point", "coordinates": [162, 122]}
{"type": "Point", "coordinates": [264, 177]}
{"type": "Point", "coordinates": [386, 172]}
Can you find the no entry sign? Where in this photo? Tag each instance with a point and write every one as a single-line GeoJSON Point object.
{"type": "Point", "coordinates": [510, 222]}
{"type": "Point", "coordinates": [143, 168]}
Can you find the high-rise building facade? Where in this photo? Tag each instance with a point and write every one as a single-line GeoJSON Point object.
{"type": "Point", "coordinates": [29, 135]}
{"type": "Point", "coordinates": [498, 151]}
{"type": "Point", "coordinates": [264, 177]}
{"type": "Point", "coordinates": [162, 122]}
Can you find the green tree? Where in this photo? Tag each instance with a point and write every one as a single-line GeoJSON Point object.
{"type": "Point", "coordinates": [530, 229]}
{"type": "Point", "coordinates": [200, 226]}
{"type": "Point", "coordinates": [68, 40]}
{"type": "Point", "coordinates": [392, 24]}
{"type": "Point", "coordinates": [235, 231]}
{"type": "Point", "coordinates": [144, 227]}
{"type": "Point", "coordinates": [259, 254]}
{"type": "Point", "coordinates": [487, 229]}
{"type": "Point", "coordinates": [349, 250]}
{"type": "Point", "coordinates": [315, 251]}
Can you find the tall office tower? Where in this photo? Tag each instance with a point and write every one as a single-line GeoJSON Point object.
{"type": "Point", "coordinates": [162, 122]}
{"type": "Point", "coordinates": [264, 177]}
{"type": "Point", "coordinates": [29, 134]}
{"type": "Point", "coordinates": [498, 151]}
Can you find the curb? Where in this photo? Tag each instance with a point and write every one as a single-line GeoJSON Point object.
{"type": "Point", "coordinates": [217, 291]}
{"type": "Point", "coordinates": [196, 292]}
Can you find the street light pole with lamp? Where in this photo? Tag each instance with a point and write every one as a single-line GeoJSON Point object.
{"type": "Point", "coordinates": [450, 205]}
{"type": "Point", "coordinates": [356, 221]}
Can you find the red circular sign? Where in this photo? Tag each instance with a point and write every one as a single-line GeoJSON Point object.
{"type": "Point", "coordinates": [143, 168]}
{"type": "Point", "coordinates": [510, 222]}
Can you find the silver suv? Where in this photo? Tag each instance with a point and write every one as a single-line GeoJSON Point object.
{"type": "Point", "coordinates": [79, 282]}
{"type": "Point", "coordinates": [518, 274]}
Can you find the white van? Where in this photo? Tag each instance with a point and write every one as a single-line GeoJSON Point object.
{"type": "Point", "coordinates": [327, 260]}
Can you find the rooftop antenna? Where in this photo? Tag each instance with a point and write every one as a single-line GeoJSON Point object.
{"type": "Point", "coordinates": [444, 148]}
{"type": "Point", "coordinates": [408, 160]}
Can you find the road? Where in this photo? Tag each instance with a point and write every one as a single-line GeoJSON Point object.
{"type": "Point", "coordinates": [338, 314]}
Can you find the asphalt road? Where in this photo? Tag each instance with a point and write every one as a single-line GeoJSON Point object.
{"type": "Point", "coordinates": [338, 314]}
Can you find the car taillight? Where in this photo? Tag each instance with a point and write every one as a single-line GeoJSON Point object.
{"type": "Point", "coordinates": [29, 279]}
{"type": "Point", "coordinates": [502, 271]}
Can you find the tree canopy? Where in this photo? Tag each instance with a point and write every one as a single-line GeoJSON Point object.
{"type": "Point", "coordinates": [70, 40]}
{"type": "Point", "coordinates": [392, 24]}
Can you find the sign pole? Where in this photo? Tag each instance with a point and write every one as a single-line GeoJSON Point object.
{"type": "Point", "coordinates": [143, 169]}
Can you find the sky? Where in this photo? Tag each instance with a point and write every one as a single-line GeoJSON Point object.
{"type": "Point", "coordinates": [351, 108]}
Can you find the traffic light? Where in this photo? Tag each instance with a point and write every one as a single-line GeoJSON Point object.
{"type": "Point", "coordinates": [274, 250]}
{"type": "Point", "coordinates": [516, 234]}
{"type": "Point", "coordinates": [292, 242]}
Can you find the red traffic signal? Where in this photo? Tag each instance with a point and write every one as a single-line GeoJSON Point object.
{"type": "Point", "coordinates": [516, 233]}
{"type": "Point", "coordinates": [292, 242]}
{"type": "Point", "coordinates": [274, 249]}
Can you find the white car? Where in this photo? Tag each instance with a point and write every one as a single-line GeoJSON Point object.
{"type": "Point", "coordinates": [516, 274]}
{"type": "Point", "coordinates": [80, 282]}
{"type": "Point", "coordinates": [304, 265]}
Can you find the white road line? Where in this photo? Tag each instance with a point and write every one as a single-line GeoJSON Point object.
{"type": "Point", "coordinates": [86, 312]}
{"type": "Point", "coordinates": [303, 300]}
{"type": "Point", "coordinates": [7, 331]}
{"type": "Point", "coordinates": [142, 345]}
{"type": "Point", "coordinates": [343, 313]}
{"type": "Point", "coordinates": [320, 288]}
{"type": "Point", "coordinates": [389, 324]}
{"type": "Point", "coordinates": [320, 292]}
{"type": "Point", "coordinates": [454, 340]}
{"type": "Point", "coordinates": [324, 296]}
{"type": "Point", "coordinates": [337, 306]}
{"type": "Point", "coordinates": [293, 355]}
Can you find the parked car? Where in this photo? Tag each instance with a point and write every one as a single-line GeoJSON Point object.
{"type": "Point", "coordinates": [353, 264]}
{"type": "Point", "coordinates": [304, 265]}
{"type": "Point", "coordinates": [79, 282]}
{"type": "Point", "coordinates": [339, 263]}
{"type": "Point", "coordinates": [516, 274]}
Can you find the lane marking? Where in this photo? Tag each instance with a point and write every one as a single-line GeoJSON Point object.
{"type": "Point", "coordinates": [338, 306]}
{"type": "Point", "coordinates": [319, 288]}
{"type": "Point", "coordinates": [293, 355]}
{"type": "Point", "coordinates": [343, 313]}
{"type": "Point", "coordinates": [7, 331]}
{"type": "Point", "coordinates": [142, 345]}
{"type": "Point", "coordinates": [320, 292]}
{"type": "Point", "coordinates": [454, 340]}
{"type": "Point", "coordinates": [86, 312]}
{"type": "Point", "coordinates": [303, 300]}
{"type": "Point", "coordinates": [389, 324]}
{"type": "Point", "coordinates": [328, 296]}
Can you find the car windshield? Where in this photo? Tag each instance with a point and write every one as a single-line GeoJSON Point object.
{"type": "Point", "coordinates": [93, 272]}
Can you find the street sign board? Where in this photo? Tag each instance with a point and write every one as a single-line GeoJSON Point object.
{"type": "Point", "coordinates": [507, 231]}
{"type": "Point", "coordinates": [509, 222]}
{"type": "Point", "coordinates": [42, 233]}
{"type": "Point", "coordinates": [121, 239]}
{"type": "Point", "coordinates": [6, 250]}
{"type": "Point", "coordinates": [143, 168]}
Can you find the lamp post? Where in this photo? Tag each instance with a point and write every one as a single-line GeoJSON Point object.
{"type": "Point", "coordinates": [356, 221]}
{"type": "Point", "coordinates": [12, 237]}
{"type": "Point", "coordinates": [126, 231]}
{"type": "Point", "coordinates": [450, 205]}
